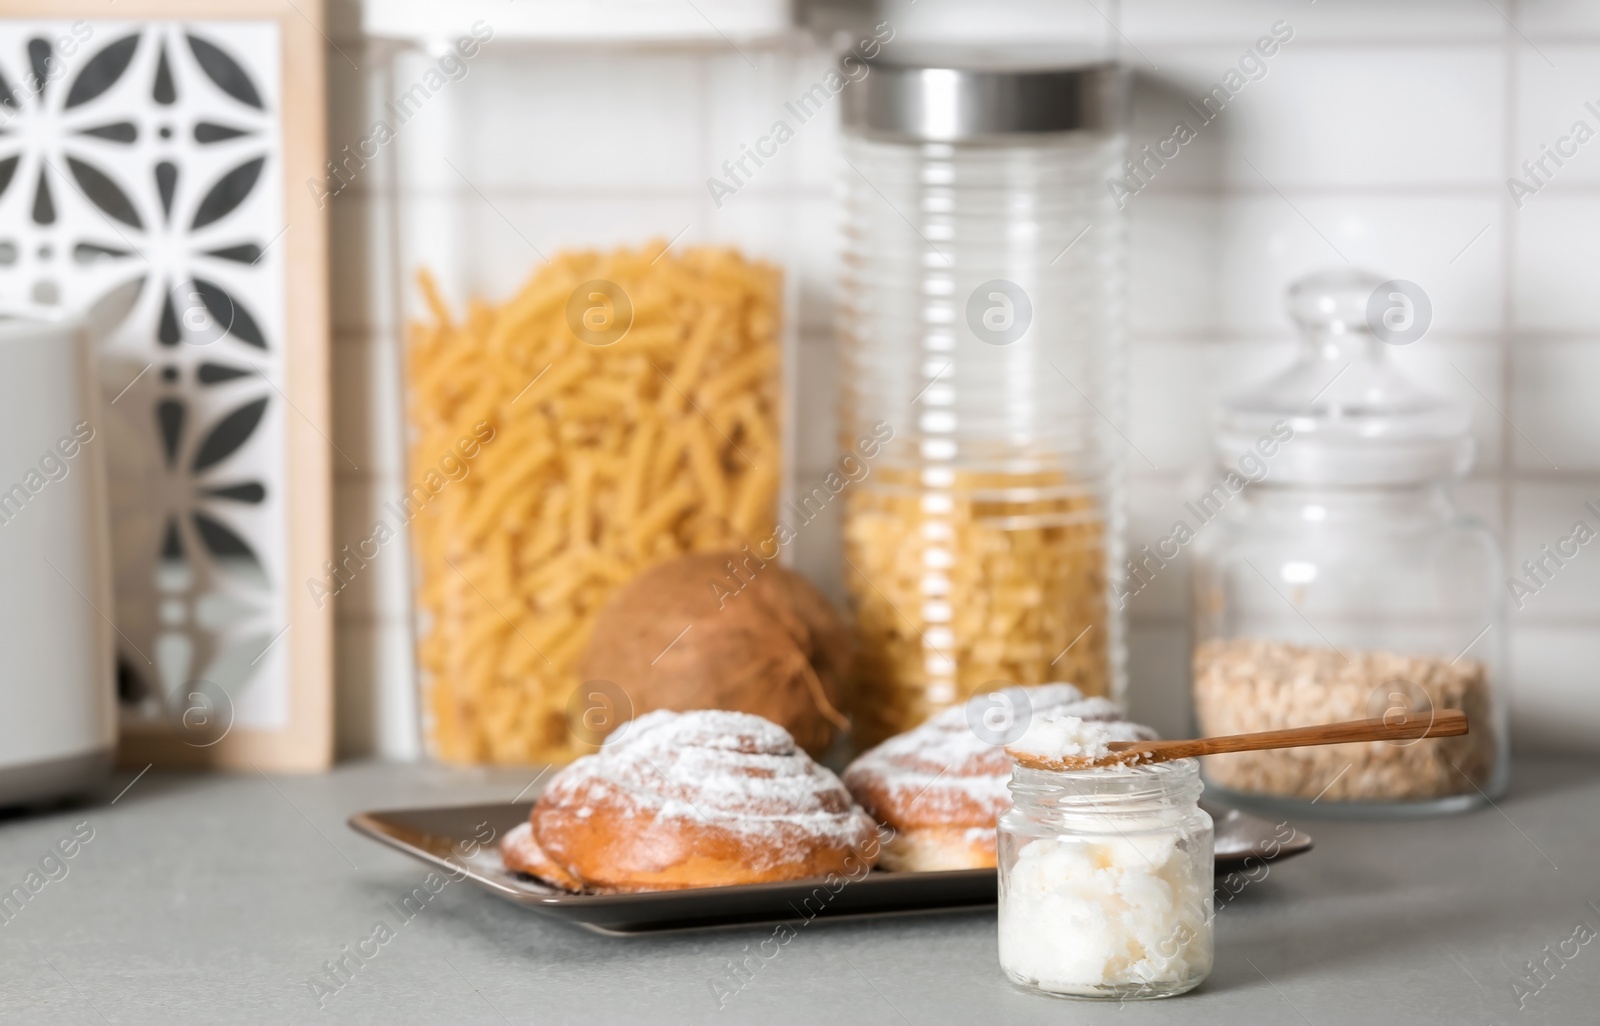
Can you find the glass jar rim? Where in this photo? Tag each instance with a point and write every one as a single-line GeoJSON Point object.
{"type": "Point", "coordinates": [1108, 786]}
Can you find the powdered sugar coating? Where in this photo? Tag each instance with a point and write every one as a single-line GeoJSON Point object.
{"type": "Point", "coordinates": [1042, 698]}
{"type": "Point", "coordinates": [740, 774]}
{"type": "Point", "coordinates": [943, 774]}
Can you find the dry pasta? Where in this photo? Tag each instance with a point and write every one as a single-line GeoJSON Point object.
{"type": "Point", "coordinates": [997, 579]}
{"type": "Point", "coordinates": [606, 457]}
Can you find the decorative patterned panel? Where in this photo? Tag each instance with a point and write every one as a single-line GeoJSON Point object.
{"type": "Point", "coordinates": [142, 161]}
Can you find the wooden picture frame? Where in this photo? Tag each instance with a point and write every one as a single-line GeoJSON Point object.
{"type": "Point", "coordinates": [228, 425]}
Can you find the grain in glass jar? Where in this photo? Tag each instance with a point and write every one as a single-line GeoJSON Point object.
{"type": "Point", "coordinates": [1344, 583]}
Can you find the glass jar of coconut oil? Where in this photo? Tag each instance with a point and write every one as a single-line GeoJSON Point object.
{"type": "Point", "coordinates": [1105, 881]}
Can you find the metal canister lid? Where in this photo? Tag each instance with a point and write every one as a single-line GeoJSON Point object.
{"type": "Point", "coordinates": [953, 95]}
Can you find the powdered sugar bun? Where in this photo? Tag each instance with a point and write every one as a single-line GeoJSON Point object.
{"type": "Point", "coordinates": [521, 853]}
{"type": "Point", "coordinates": [942, 788]}
{"type": "Point", "coordinates": [699, 799]}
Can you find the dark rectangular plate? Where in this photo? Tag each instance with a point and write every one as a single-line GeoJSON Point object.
{"type": "Point", "coordinates": [433, 834]}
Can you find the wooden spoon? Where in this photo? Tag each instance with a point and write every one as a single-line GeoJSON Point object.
{"type": "Point", "coordinates": [1445, 723]}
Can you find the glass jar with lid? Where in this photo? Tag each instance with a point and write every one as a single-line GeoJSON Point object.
{"type": "Point", "coordinates": [980, 331]}
{"type": "Point", "coordinates": [1105, 881]}
{"type": "Point", "coordinates": [1340, 580]}
{"type": "Point", "coordinates": [589, 300]}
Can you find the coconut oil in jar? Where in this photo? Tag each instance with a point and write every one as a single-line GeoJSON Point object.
{"type": "Point", "coordinates": [1105, 882]}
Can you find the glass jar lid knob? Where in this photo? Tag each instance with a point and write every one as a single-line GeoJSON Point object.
{"type": "Point", "coordinates": [1334, 302]}
{"type": "Point", "coordinates": [1351, 416]}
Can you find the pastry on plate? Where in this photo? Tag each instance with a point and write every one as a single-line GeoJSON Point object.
{"type": "Point", "coordinates": [521, 853]}
{"type": "Point", "coordinates": [942, 787]}
{"type": "Point", "coordinates": [693, 799]}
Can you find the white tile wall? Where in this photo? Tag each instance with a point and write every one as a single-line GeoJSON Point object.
{"type": "Point", "coordinates": [1354, 22]}
{"type": "Point", "coordinates": [1382, 132]}
{"type": "Point", "coordinates": [1339, 118]}
{"type": "Point", "coordinates": [1552, 403]}
{"type": "Point", "coordinates": [1553, 682]}
{"type": "Point", "coordinates": [1557, 240]}
{"type": "Point", "coordinates": [1554, 82]}
{"type": "Point", "coordinates": [1544, 514]}
{"type": "Point", "coordinates": [1546, 21]}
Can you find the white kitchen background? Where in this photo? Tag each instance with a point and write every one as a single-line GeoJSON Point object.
{"type": "Point", "coordinates": [1383, 133]}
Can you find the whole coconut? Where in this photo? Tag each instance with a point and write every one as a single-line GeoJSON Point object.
{"type": "Point", "coordinates": [725, 631]}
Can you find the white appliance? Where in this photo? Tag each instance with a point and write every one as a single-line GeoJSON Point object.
{"type": "Point", "coordinates": [57, 676]}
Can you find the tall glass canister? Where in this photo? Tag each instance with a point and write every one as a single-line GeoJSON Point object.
{"type": "Point", "coordinates": [596, 339]}
{"type": "Point", "coordinates": [981, 325]}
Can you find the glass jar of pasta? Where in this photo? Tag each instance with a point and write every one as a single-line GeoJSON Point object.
{"type": "Point", "coordinates": [594, 277]}
{"type": "Point", "coordinates": [980, 326]}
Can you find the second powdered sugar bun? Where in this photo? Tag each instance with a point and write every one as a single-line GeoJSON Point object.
{"type": "Point", "coordinates": [941, 787]}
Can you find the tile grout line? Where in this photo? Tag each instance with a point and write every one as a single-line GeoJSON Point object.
{"type": "Point", "coordinates": [1576, 622]}
{"type": "Point", "coordinates": [1474, 188]}
{"type": "Point", "coordinates": [355, 336]}
{"type": "Point", "coordinates": [1508, 246]}
{"type": "Point", "coordinates": [1421, 41]}
{"type": "Point", "coordinates": [1262, 336]}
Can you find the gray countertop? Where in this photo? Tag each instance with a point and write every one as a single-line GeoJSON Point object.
{"type": "Point", "coordinates": [218, 899]}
